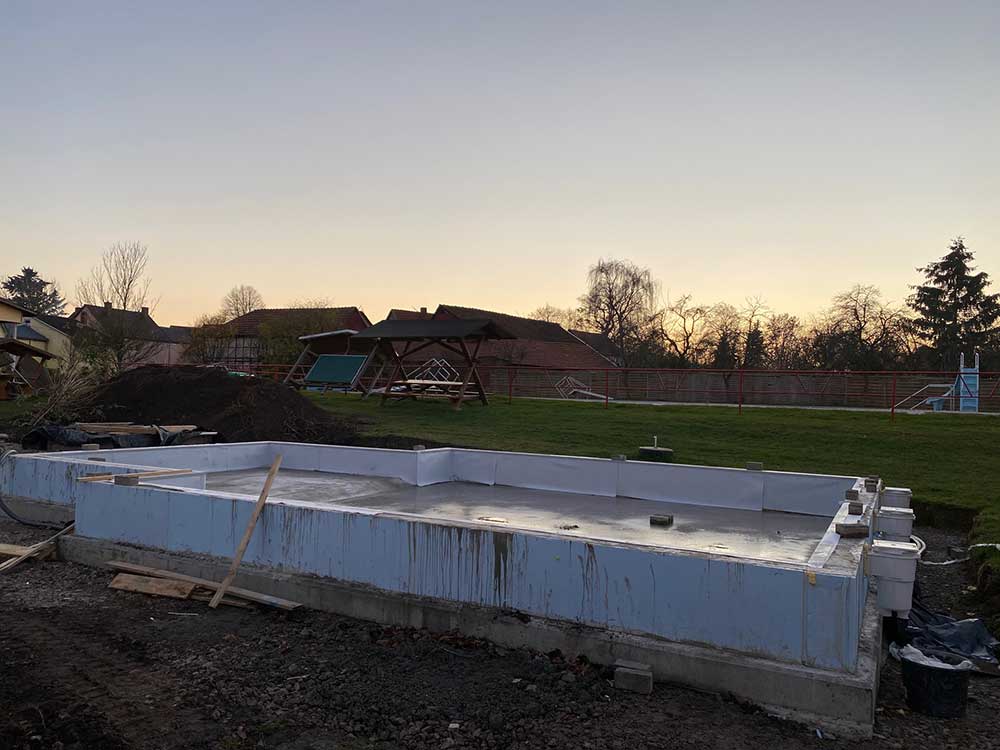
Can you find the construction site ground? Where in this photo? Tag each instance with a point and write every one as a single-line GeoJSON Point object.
{"type": "Point", "coordinates": [88, 667]}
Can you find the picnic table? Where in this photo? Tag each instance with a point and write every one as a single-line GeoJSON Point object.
{"type": "Point", "coordinates": [461, 337]}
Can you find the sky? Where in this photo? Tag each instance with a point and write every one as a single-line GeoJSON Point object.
{"type": "Point", "coordinates": [406, 154]}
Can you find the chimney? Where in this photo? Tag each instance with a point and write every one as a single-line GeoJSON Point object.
{"type": "Point", "coordinates": [107, 305]}
{"type": "Point", "coordinates": [423, 310]}
{"type": "Point", "coordinates": [145, 310]}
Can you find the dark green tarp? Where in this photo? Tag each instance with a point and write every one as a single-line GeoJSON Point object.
{"type": "Point", "coordinates": [336, 368]}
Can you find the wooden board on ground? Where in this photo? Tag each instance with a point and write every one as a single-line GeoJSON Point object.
{"type": "Point", "coordinates": [112, 428]}
{"type": "Point", "coordinates": [206, 596]}
{"type": "Point", "coordinates": [13, 550]}
{"type": "Point", "coordinates": [253, 596]}
{"type": "Point", "coordinates": [153, 586]}
{"type": "Point", "coordinates": [40, 550]}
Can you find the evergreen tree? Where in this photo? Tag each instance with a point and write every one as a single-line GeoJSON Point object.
{"type": "Point", "coordinates": [725, 356]}
{"type": "Point", "coordinates": [954, 311]}
{"type": "Point", "coordinates": [31, 291]}
{"type": "Point", "coordinates": [753, 350]}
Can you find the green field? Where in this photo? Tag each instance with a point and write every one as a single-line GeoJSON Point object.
{"type": "Point", "coordinates": [951, 462]}
{"type": "Point", "coordinates": [13, 410]}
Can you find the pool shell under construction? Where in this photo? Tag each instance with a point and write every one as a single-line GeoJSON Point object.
{"type": "Point", "coordinates": [749, 584]}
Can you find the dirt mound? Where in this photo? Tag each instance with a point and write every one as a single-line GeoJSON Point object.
{"type": "Point", "coordinates": [238, 408]}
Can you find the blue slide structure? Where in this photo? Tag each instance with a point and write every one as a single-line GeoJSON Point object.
{"type": "Point", "coordinates": [965, 389]}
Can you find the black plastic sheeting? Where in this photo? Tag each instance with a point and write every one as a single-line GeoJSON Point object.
{"type": "Point", "coordinates": [52, 436]}
{"type": "Point", "coordinates": [938, 634]}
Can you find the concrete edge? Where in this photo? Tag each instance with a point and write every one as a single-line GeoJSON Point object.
{"type": "Point", "coordinates": [841, 703]}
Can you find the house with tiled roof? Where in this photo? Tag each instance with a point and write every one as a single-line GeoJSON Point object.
{"type": "Point", "coordinates": [601, 344]}
{"type": "Point", "coordinates": [19, 323]}
{"type": "Point", "coordinates": [167, 345]}
{"type": "Point", "coordinates": [271, 335]}
{"type": "Point", "coordinates": [539, 343]}
{"type": "Point", "coordinates": [398, 314]}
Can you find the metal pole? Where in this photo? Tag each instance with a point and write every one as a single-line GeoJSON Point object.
{"type": "Point", "coordinates": [892, 414]}
{"type": "Point", "coordinates": [739, 409]}
{"type": "Point", "coordinates": [606, 388]}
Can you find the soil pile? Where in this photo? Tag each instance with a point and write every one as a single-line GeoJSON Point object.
{"type": "Point", "coordinates": [238, 408]}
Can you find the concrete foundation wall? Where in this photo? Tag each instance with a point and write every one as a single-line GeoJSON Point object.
{"type": "Point", "coordinates": [813, 494]}
{"type": "Point", "coordinates": [836, 701]}
{"type": "Point", "coordinates": [765, 610]}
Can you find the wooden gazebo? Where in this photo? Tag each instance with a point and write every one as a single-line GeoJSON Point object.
{"type": "Point", "coordinates": [461, 337]}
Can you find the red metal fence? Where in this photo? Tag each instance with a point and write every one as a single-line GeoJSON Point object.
{"type": "Point", "coordinates": [887, 390]}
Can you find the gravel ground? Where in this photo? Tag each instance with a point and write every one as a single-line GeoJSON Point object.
{"type": "Point", "coordinates": [87, 667]}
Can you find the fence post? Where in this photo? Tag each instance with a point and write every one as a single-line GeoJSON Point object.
{"type": "Point", "coordinates": [739, 409]}
{"type": "Point", "coordinates": [892, 413]}
{"type": "Point", "coordinates": [606, 388]}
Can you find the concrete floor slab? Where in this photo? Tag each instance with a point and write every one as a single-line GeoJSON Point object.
{"type": "Point", "coordinates": [753, 535]}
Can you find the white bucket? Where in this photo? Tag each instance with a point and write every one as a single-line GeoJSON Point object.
{"type": "Point", "coordinates": [894, 524]}
{"type": "Point", "coordinates": [896, 497]}
{"type": "Point", "coordinates": [894, 564]}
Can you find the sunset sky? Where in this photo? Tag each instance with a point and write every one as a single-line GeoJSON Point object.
{"type": "Point", "coordinates": [409, 153]}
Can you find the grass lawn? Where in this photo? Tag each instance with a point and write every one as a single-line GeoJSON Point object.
{"type": "Point", "coordinates": [951, 462]}
{"type": "Point", "coordinates": [12, 410]}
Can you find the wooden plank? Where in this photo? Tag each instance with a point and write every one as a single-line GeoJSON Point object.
{"type": "Point", "coordinates": [131, 429]}
{"type": "Point", "coordinates": [36, 550]}
{"type": "Point", "coordinates": [204, 596]}
{"type": "Point", "coordinates": [245, 541]}
{"type": "Point", "coordinates": [153, 586]}
{"type": "Point", "coordinates": [140, 474]}
{"type": "Point", "coordinates": [253, 596]}
{"type": "Point", "coordinates": [13, 550]}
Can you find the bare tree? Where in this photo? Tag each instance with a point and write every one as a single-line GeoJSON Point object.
{"type": "Point", "coordinates": [621, 303]}
{"type": "Point", "coordinates": [861, 331]}
{"type": "Point", "coordinates": [240, 300]}
{"type": "Point", "coordinates": [685, 330]}
{"type": "Point", "coordinates": [567, 317]}
{"type": "Point", "coordinates": [122, 334]}
{"type": "Point", "coordinates": [783, 341]}
{"type": "Point", "coordinates": [211, 339]}
{"type": "Point", "coordinates": [120, 278]}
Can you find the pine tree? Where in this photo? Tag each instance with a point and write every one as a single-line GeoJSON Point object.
{"type": "Point", "coordinates": [954, 311]}
{"type": "Point", "coordinates": [753, 349]}
{"type": "Point", "coordinates": [31, 291]}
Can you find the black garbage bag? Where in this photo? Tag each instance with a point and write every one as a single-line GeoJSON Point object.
{"type": "Point", "coordinates": [52, 436]}
{"type": "Point", "coordinates": [42, 438]}
{"type": "Point", "coordinates": [938, 634]}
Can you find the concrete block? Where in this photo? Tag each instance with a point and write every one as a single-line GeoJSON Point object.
{"type": "Point", "coordinates": [634, 680]}
{"type": "Point", "coordinates": [628, 664]}
{"type": "Point", "coordinates": [664, 520]}
{"type": "Point", "coordinates": [852, 496]}
{"type": "Point", "coordinates": [128, 480]}
{"type": "Point", "coordinates": [90, 447]}
{"type": "Point", "coordinates": [755, 466]}
{"type": "Point", "coordinates": [855, 508]}
{"type": "Point", "coordinates": [852, 530]}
